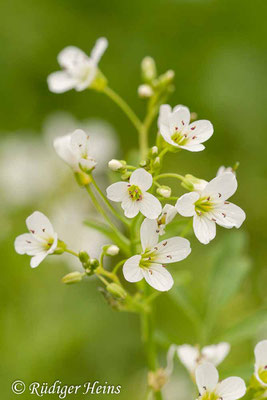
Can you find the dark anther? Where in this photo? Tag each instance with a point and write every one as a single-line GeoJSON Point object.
{"type": "Point", "coordinates": [164, 244]}
{"type": "Point", "coordinates": [224, 215]}
{"type": "Point", "coordinates": [219, 194]}
{"type": "Point", "coordinates": [193, 128]}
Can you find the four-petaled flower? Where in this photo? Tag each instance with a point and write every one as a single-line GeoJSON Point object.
{"type": "Point", "coordinates": [79, 70]}
{"type": "Point", "coordinates": [174, 126]}
{"type": "Point", "coordinates": [210, 207]}
{"type": "Point", "coordinates": [74, 150]}
{"type": "Point", "coordinates": [192, 356]}
{"type": "Point", "coordinates": [207, 379]}
{"type": "Point", "coordinates": [134, 197]}
{"type": "Point", "coordinates": [149, 264]}
{"type": "Point", "coordinates": [41, 241]}
{"type": "Point", "coordinates": [261, 362]}
{"type": "Point", "coordinates": [167, 215]}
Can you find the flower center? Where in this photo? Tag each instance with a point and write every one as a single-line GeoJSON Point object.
{"type": "Point", "coordinates": [49, 243]}
{"type": "Point", "coordinates": [263, 374]}
{"type": "Point", "coordinates": [203, 205]}
{"type": "Point", "coordinates": [210, 396]}
{"type": "Point", "coordinates": [135, 193]}
{"type": "Point", "coordinates": [179, 137]}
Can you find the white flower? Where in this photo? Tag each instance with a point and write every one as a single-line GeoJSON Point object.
{"type": "Point", "coordinates": [176, 129]}
{"type": "Point", "coordinates": [74, 150]}
{"type": "Point", "coordinates": [167, 215]}
{"type": "Point", "coordinates": [261, 362]}
{"type": "Point", "coordinates": [112, 250]}
{"type": "Point", "coordinates": [224, 169]}
{"type": "Point", "coordinates": [148, 265]}
{"type": "Point", "coordinates": [145, 91]}
{"type": "Point", "coordinates": [79, 70]}
{"type": "Point", "coordinates": [192, 356]}
{"type": "Point", "coordinates": [115, 165]}
{"type": "Point", "coordinates": [134, 196]}
{"type": "Point", "coordinates": [207, 379]}
{"type": "Point", "coordinates": [41, 241]}
{"type": "Point", "coordinates": [210, 207]}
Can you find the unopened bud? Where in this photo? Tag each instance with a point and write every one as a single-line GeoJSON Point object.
{"type": "Point", "coordinates": [157, 379]}
{"type": "Point", "coordinates": [82, 178]}
{"type": "Point", "coordinates": [116, 290]}
{"type": "Point", "coordinates": [165, 79]}
{"type": "Point", "coordinates": [116, 165]}
{"type": "Point", "coordinates": [72, 277]}
{"type": "Point", "coordinates": [192, 183]}
{"type": "Point", "coordinates": [112, 250]}
{"type": "Point", "coordinates": [148, 68]}
{"type": "Point", "coordinates": [154, 150]}
{"type": "Point", "coordinates": [84, 258]}
{"type": "Point", "coordinates": [157, 162]}
{"type": "Point", "coordinates": [164, 191]}
{"type": "Point", "coordinates": [61, 247]}
{"type": "Point", "coordinates": [94, 263]}
{"type": "Point", "coordinates": [145, 91]}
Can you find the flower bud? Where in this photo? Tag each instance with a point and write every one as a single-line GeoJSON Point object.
{"type": "Point", "coordinates": [164, 191]}
{"type": "Point", "coordinates": [112, 250]}
{"type": "Point", "coordinates": [192, 183]}
{"type": "Point", "coordinates": [72, 277]}
{"type": "Point", "coordinates": [82, 178]}
{"type": "Point", "coordinates": [84, 258]}
{"type": "Point", "coordinates": [94, 263]}
{"type": "Point", "coordinates": [154, 150]}
{"type": "Point", "coordinates": [61, 247]}
{"type": "Point", "coordinates": [156, 163]}
{"type": "Point", "coordinates": [145, 91]}
{"type": "Point", "coordinates": [148, 68]}
{"type": "Point", "coordinates": [142, 163]}
{"type": "Point", "coordinates": [157, 379]}
{"type": "Point", "coordinates": [116, 290]}
{"type": "Point", "coordinates": [116, 165]}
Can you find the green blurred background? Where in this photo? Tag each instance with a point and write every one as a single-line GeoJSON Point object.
{"type": "Point", "coordinates": [218, 52]}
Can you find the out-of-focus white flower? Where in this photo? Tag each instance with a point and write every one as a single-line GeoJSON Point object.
{"type": "Point", "coordinates": [192, 356]}
{"type": "Point", "coordinates": [134, 196]}
{"type": "Point", "coordinates": [154, 150]}
{"type": "Point", "coordinates": [224, 169]}
{"type": "Point", "coordinates": [261, 362]}
{"type": "Point", "coordinates": [149, 264]}
{"type": "Point", "coordinates": [207, 379]}
{"type": "Point", "coordinates": [112, 250]}
{"type": "Point", "coordinates": [210, 207]}
{"type": "Point", "coordinates": [79, 70]}
{"type": "Point", "coordinates": [41, 241]}
{"type": "Point", "coordinates": [74, 149]}
{"type": "Point", "coordinates": [175, 128]}
{"type": "Point", "coordinates": [167, 215]}
{"type": "Point", "coordinates": [145, 91]}
{"type": "Point", "coordinates": [115, 165]}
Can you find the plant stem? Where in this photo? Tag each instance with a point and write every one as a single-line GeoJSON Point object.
{"type": "Point", "coordinates": [72, 252]}
{"type": "Point", "coordinates": [169, 175]}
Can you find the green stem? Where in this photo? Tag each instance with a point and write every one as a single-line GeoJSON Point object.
{"type": "Point", "coordinates": [71, 252]}
{"type": "Point", "coordinates": [112, 209]}
{"type": "Point", "coordinates": [169, 175]}
{"type": "Point", "coordinates": [117, 266]}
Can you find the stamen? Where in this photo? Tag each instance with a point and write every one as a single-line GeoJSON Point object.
{"type": "Point", "coordinates": [226, 202]}
{"type": "Point", "coordinates": [219, 194]}
{"type": "Point", "coordinates": [43, 229]}
{"type": "Point", "coordinates": [32, 231]}
{"type": "Point", "coordinates": [170, 257]}
{"type": "Point", "coordinates": [157, 230]}
{"type": "Point", "coordinates": [194, 137]}
{"type": "Point", "coordinates": [156, 248]}
{"type": "Point", "coordinates": [224, 215]}
{"type": "Point", "coordinates": [183, 122]}
{"type": "Point", "coordinates": [193, 128]}
{"type": "Point", "coordinates": [28, 241]}
{"type": "Point", "coordinates": [150, 271]}
{"type": "Point", "coordinates": [213, 219]}
{"type": "Point", "coordinates": [164, 244]}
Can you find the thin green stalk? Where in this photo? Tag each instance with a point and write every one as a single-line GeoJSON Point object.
{"type": "Point", "coordinates": [112, 209]}
{"type": "Point", "coordinates": [118, 265]}
{"type": "Point", "coordinates": [72, 252]}
{"type": "Point", "coordinates": [169, 175]}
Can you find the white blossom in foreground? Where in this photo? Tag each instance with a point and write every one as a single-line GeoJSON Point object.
{"type": "Point", "coordinates": [224, 169]}
{"type": "Point", "coordinates": [134, 196]}
{"type": "Point", "coordinates": [174, 126]}
{"type": "Point", "coordinates": [167, 215]}
{"type": "Point", "coordinates": [261, 362]}
{"type": "Point", "coordinates": [41, 241]}
{"type": "Point", "coordinates": [207, 379]}
{"type": "Point", "coordinates": [210, 207]}
{"type": "Point", "coordinates": [149, 264]}
{"type": "Point", "coordinates": [79, 70]}
{"type": "Point", "coordinates": [74, 150]}
{"type": "Point", "coordinates": [192, 356]}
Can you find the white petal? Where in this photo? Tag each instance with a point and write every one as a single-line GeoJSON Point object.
{"type": "Point", "coordinates": [193, 147]}
{"type": "Point", "coordinates": [71, 57]}
{"type": "Point", "coordinates": [131, 208]}
{"type": "Point", "coordinates": [222, 187]}
{"type": "Point", "coordinates": [224, 169]}
{"type": "Point", "coordinates": [63, 149]}
{"type": "Point", "coordinates": [36, 260]}
{"type": "Point", "coordinates": [60, 82]}
{"type": "Point", "coordinates": [118, 191]}
{"type": "Point", "coordinates": [87, 164]}
{"type": "Point", "coordinates": [99, 49]}
{"type": "Point", "coordinates": [158, 277]}
{"type": "Point", "coordinates": [164, 113]}
{"type": "Point", "coordinates": [170, 212]}
{"type": "Point", "coordinates": [261, 354]}
{"type": "Point", "coordinates": [170, 356]}
{"type": "Point", "coordinates": [79, 143]}
{"type": "Point", "coordinates": [172, 250]}
{"type": "Point", "coordinates": [216, 353]}
{"type": "Point", "coordinates": [231, 388]}
{"type": "Point", "coordinates": [40, 226]}
{"type": "Point", "coordinates": [201, 131]}
{"type": "Point", "coordinates": [229, 215]}
{"type": "Point", "coordinates": [180, 118]}
{"type": "Point", "coordinates": [206, 377]}
{"type": "Point", "coordinates": [166, 134]}
{"type": "Point", "coordinates": [141, 178]}
{"type": "Point", "coordinates": [205, 229]}
{"type": "Point", "coordinates": [148, 233]}
{"type": "Point", "coordinates": [150, 206]}
{"type": "Point", "coordinates": [188, 356]}
{"type": "Point", "coordinates": [131, 270]}
{"type": "Point", "coordinates": [28, 244]}
{"type": "Point", "coordinates": [185, 205]}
